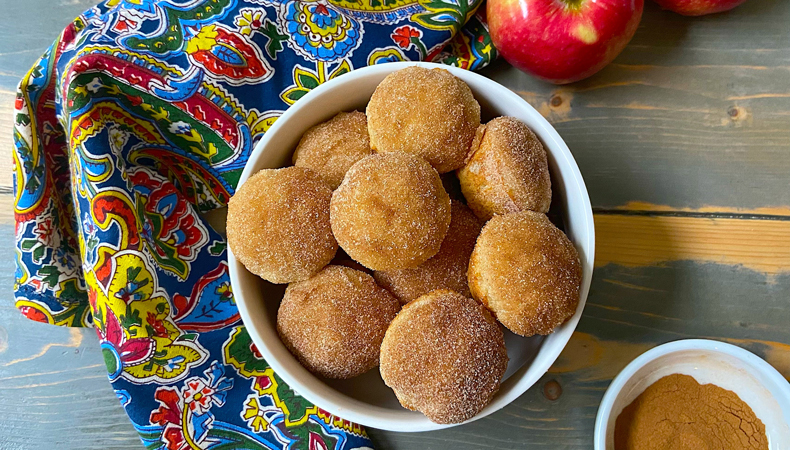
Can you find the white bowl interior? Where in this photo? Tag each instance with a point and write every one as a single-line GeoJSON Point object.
{"type": "Point", "coordinates": [709, 362]}
{"type": "Point", "coordinates": [366, 399]}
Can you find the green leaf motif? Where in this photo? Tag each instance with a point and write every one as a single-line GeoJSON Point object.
{"type": "Point", "coordinates": [23, 119]}
{"type": "Point", "coordinates": [27, 244]}
{"type": "Point", "coordinates": [292, 95]}
{"type": "Point", "coordinates": [275, 44]}
{"type": "Point", "coordinates": [445, 14]}
{"type": "Point", "coordinates": [131, 318]}
{"type": "Point", "coordinates": [341, 69]}
{"type": "Point", "coordinates": [38, 254]}
{"type": "Point", "coordinates": [217, 248]}
{"type": "Point", "coordinates": [297, 405]}
{"type": "Point", "coordinates": [49, 274]}
{"type": "Point", "coordinates": [307, 80]}
{"type": "Point", "coordinates": [187, 337]}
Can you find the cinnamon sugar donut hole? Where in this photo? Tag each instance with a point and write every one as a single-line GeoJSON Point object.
{"type": "Point", "coordinates": [334, 322]}
{"type": "Point", "coordinates": [447, 269]}
{"type": "Point", "coordinates": [332, 147]}
{"type": "Point", "coordinates": [507, 171]}
{"type": "Point", "coordinates": [430, 113]}
{"type": "Point", "coordinates": [390, 212]}
{"type": "Point", "coordinates": [444, 355]}
{"type": "Point", "coordinates": [278, 224]}
{"type": "Point", "coordinates": [527, 272]}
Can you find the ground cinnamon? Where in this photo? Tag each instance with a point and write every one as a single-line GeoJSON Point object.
{"type": "Point", "coordinates": [677, 413]}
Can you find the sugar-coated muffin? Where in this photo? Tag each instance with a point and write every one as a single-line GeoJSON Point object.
{"type": "Point", "coordinates": [334, 322]}
{"type": "Point", "coordinates": [391, 211]}
{"type": "Point", "coordinates": [444, 355]}
{"type": "Point", "coordinates": [278, 224]}
{"type": "Point", "coordinates": [527, 272]}
{"type": "Point", "coordinates": [447, 269]}
{"type": "Point", "coordinates": [507, 170]}
{"type": "Point", "coordinates": [332, 147]}
{"type": "Point", "coordinates": [430, 113]}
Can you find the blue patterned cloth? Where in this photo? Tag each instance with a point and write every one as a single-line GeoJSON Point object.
{"type": "Point", "coordinates": [139, 119]}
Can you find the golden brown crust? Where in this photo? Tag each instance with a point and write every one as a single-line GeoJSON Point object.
{"type": "Point", "coordinates": [527, 272]}
{"type": "Point", "coordinates": [335, 321]}
{"type": "Point", "coordinates": [447, 269]}
{"type": "Point", "coordinates": [332, 147]}
{"type": "Point", "coordinates": [430, 113]}
{"type": "Point", "coordinates": [278, 224]}
{"type": "Point", "coordinates": [507, 170]}
{"type": "Point", "coordinates": [391, 211]}
{"type": "Point", "coordinates": [444, 355]}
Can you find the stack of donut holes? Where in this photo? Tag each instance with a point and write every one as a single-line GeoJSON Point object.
{"type": "Point", "coordinates": [423, 281]}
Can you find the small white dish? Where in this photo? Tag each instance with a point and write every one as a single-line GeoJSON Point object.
{"type": "Point", "coordinates": [755, 381]}
{"type": "Point", "coordinates": [366, 399]}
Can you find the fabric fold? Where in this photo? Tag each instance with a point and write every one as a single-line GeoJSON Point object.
{"type": "Point", "coordinates": [137, 121]}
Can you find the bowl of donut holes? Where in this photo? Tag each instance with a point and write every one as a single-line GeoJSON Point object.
{"type": "Point", "coordinates": [410, 246]}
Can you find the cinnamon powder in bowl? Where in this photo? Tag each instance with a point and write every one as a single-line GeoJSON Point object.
{"type": "Point", "coordinates": [695, 394]}
{"type": "Point", "coordinates": [676, 412]}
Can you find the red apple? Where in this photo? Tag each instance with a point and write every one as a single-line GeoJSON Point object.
{"type": "Point", "coordinates": [698, 7]}
{"type": "Point", "coordinates": [562, 41]}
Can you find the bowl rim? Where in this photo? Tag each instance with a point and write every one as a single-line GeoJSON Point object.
{"type": "Point", "coordinates": [615, 388]}
{"type": "Point", "coordinates": [559, 151]}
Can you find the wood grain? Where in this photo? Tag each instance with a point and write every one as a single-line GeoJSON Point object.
{"type": "Point", "coordinates": [694, 112]}
{"type": "Point", "coordinates": [683, 142]}
{"type": "Point", "coordinates": [637, 240]}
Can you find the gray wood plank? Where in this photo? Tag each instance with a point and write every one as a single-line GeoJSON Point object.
{"type": "Point", "coordinates": [27, 28]}
{"type": "Point", "coordinates": [53, 383]}
{"type": "Point", "coordinates": [629, 311]}
{"type": "Point", "coordinates": [53, 387]}
{"type": "Point", "coordinates": [694, 112]}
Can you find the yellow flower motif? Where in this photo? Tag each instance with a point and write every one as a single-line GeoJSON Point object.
{"type": "Point", "coordinates": [144, 310]}
{"type": "Point", "coordinates": [255, 415]}
{"type": "Point", "coordinates": [249, 20]}
{"type": "Point", "coordinates": [204, 40]}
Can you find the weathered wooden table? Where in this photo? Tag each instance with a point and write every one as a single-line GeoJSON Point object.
{"type": "Point", "coordinates": [684, 142]}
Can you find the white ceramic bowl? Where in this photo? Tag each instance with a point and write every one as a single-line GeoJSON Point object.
{"type": "Point", "coordinates": [366, 399]}
{"type": "Point", "coordinates": [710, 362]}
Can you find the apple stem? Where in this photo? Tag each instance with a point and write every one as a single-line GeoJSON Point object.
{"type": "Point", "coordinates": [573, 4]}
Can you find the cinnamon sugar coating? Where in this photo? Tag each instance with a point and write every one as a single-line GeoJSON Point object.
{"type": "Point", "coordinates": [507, 171]}
{"type": "Point", "coordinates": [391, 211]}
{"type": "Point", "coordinates": [447, 269]}
{"type": "Point", "coordinates": [444, 355]}
{"type": "Point", "coordinates": [332, 147]}
{"type": "Point", "coordinates": [430, 113]}
{"type": "Point", "coordinates": [335, 321]}
{"type": "Point", "coordinates": [278, 224]}
{"type": "Point", "coordinates": [527, 272]}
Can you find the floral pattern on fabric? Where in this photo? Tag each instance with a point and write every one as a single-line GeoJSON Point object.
{"type": "Point", "coordinates": [137, 121]}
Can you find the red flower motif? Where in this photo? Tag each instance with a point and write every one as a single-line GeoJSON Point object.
{"type": "Point", "coordinates": [263, 382]}
{"type": "Point", "coordinates": [231, 56]}
{"type": "Point", "coordinates": [316, 442]}
{"type": "Point", "coordinates": [169, 410]}
{"type": "Point", "coordinates": [169, 415]}
{"type": "Point", "coordinates": [130, 351]}
{"type": "Point", "coordinates": [403, 36]}
{"type": "Point", "coordinates": [44, 231]}
{"type": "Point", "coordinates": [33, 314]}
{"type": "Point", "coordinates": [157, 325]}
